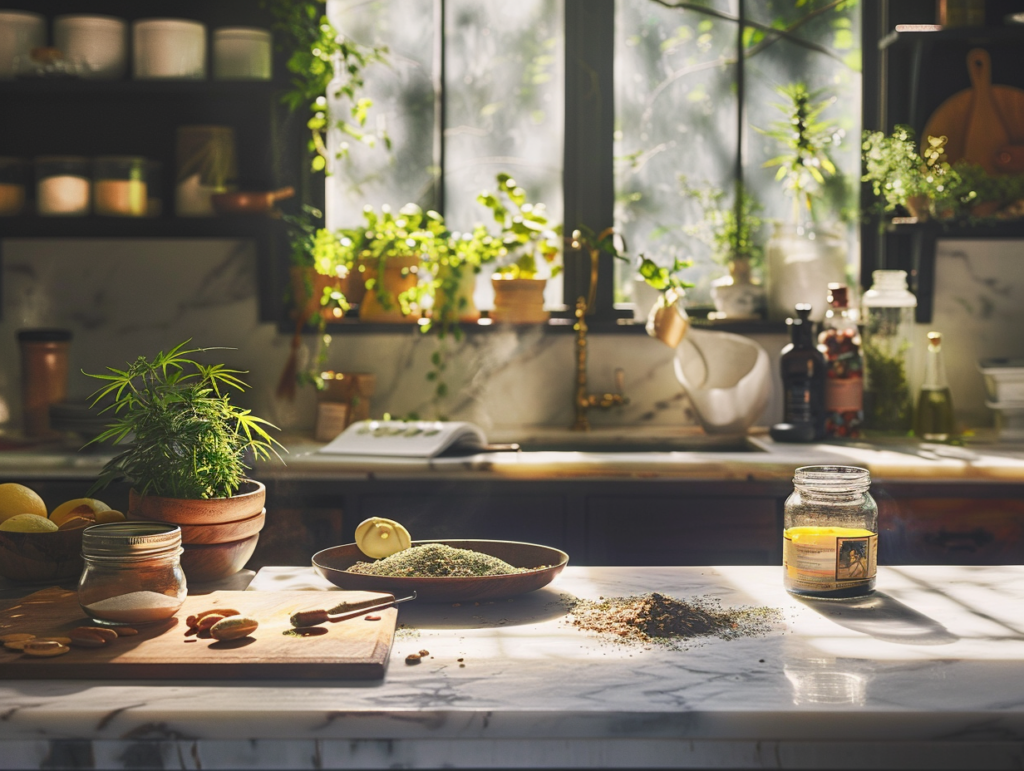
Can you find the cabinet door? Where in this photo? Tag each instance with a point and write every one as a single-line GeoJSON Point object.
{"type": "Point", "coordinates": [532, 518]}
{"type": "Point", "coordinates": [951, 531]}
{"type": "Point", "coordinates": [635, 530]}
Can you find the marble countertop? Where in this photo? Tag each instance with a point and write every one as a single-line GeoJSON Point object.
{"type": "Point", "coordinates": [926, 673]}
{"type": "Point", "coordinates": [607, 453]}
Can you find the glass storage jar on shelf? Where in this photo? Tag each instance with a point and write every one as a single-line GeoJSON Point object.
{"type": "Point", "coordinates": [119, 186]}
{"type": "Point", "coordinates": [63, 186]}
{"type": "Point", "coordinates": [13, 186]}
{"type": "Point", "coordinates": [887, 344]}
{"type": "Point", "coordinates": [132, 573]}
{"type": "Point", "coordinates": [830, 537]}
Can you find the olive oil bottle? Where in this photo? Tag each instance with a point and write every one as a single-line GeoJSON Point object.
{"type": "Point", "coordinates": [933, 421]}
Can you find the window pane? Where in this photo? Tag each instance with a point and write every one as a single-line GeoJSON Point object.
{"type": "Point", "coordinates": [829, 62]}
{"type": "Point", "coordinates": [504, 109]}
{"type": "Point", "coordinates": [675, 103]}
{"type": "Point", "coordinates": [403, 97]}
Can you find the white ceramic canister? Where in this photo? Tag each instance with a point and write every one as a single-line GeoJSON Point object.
{"type": "Point", "coordinates": [100, 43]}
{"type": "Point", "coordinates": [242, 53]}
{"type": "Point", "coordinates": [20, 32]}
{"type": "Point", "coordinates": [168, 48]}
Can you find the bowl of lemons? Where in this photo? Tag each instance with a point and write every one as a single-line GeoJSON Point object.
{"type": "Point", "coordinates": [38, 545]}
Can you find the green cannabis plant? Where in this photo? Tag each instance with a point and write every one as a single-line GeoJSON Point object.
{"type": "Point", "coordinates": [183, 436]}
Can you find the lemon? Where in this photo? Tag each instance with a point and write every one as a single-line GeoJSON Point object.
{"type": "Point", "coordinates": [77, 507]}
{"type": "Point", "coordinates": [28, 523]}
{"type": "Point", "coordinates": [378, 537]}
{"type": "Point", "coordinates": [18, 499]}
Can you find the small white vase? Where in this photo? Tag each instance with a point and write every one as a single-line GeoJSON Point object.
{"type": "Point", "coordinates": [801, 262]}
{"type": "Point", "coordinates": [736, 296]}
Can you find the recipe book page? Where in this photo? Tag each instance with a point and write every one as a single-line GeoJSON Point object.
{"type": "Point", "coordinates": [407, 439]}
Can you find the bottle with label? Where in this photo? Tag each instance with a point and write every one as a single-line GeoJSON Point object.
{"type": "Point", "coordinates": [830, 540]}
{"type": "Point", "coordinates": [803, 379]}
{"type": "Point", "coordinates": [839, 341]}
{"type": "Point", "coordinates": [888, 318]}
{"type": "Point", "coordinates": [934, 419]}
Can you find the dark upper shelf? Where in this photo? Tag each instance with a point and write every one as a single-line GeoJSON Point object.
{"type": "Point", "coordinates": [138, 227]}
{"type": "Point", "coordinates": [960, 229]}
{"type": "Point", "coordinates": [921, 33]}
{"type": "Point", "coordinates": [236, 89]}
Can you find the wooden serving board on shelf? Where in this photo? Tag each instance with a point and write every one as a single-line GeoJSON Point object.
{"type": "Point", "coordinates": [350, 649]}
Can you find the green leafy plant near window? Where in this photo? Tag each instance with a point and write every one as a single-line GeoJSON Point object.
{"type": "Point", "coordinates": [186, 438]}
{"type": "Point", "coordinates": [528, 240]}
{"type": "Point", "coordinates": [903, 178]}
{"type": "Point", "coordinates": [319, 55]}
{"type": "Point", "coordinates": [731, 229]}
{"type": "Point", "coordinates": [806, 141]}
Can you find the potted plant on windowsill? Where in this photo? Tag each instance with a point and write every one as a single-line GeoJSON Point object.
{"type": "Point", "coordinates": [807, 252]}
{"type": "Point", "coordinates": [185, 455]}
{"type": "Point", "coordinates": [667, 320]}
{"type": "Point", "coordinates": [386, 254]}
{"type": "Point", "coordinates": [732, 232]}
{"type": "Point", "coordinates": [529, 253]}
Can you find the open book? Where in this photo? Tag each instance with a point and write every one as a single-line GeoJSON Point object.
{"type": "Point", "coordinates": [407, 439]}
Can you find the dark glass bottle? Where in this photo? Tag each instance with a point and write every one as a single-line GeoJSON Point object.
{"type": "Point", "coordinates": [839, 341]}
{"type": "Point", "coordinates": [803, 376]}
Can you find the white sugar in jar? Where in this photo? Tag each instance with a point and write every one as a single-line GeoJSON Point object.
{"type": "Point", "coordinates": [63, 186]}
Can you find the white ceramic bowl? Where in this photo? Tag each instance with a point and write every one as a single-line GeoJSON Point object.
{"type": "Point", "coordinates": [242, 53]}
{"type": "Point", "coordinates": [727, 378]}
{"type": "Point", "coordinates": [20, 32]}
{"type": "Point", "coordinates": [1004, 379]}
{"type": "Point", "coordinates": [168, 48]}
{"type": "Point", "coordinates": [99, 42]}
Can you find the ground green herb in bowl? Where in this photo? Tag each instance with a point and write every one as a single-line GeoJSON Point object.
{"type": "Point", "coordinates": [436, 560]}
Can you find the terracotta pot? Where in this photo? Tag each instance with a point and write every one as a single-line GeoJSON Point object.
{"type": "Point", "coordinates": [464, 305]}
{"type": "Point", "coordinates": [400, 275]}
{"type": "Point", "coordinates": [918, 206]}
{"type": "Point", "coordinates": [519, 300]}
{"type": "Point", "coordinates": [239, 517]}
{"type": "Point", "coordinates": [308, 287]}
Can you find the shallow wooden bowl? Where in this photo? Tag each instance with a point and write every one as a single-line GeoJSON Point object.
{"type": "Point", "coordinates": [38, 557]}
{"type": "Point", "coordinates": [212, 562]}
{"type": "Point", "coordinates": [219, 532]}
{"type": "Point", "coordinates": [248, 502]}
{"type": "Point", "coordinates": [548, 562]}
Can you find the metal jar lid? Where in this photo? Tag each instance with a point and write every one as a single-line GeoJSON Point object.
{"type": "Point", "coordinates": [131, 540]}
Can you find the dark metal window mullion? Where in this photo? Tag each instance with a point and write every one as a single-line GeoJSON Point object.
{"type": "Point", "coordinates": [588, 177]}
{"type": "Point", "coordinates": [440, 113]}
{"type": "Point", "coordinates": [740, 111]}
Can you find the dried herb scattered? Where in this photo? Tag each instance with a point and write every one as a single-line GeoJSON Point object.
{"type": "Point", "coordinates": [436, 560]}
{"type": "Point", "coordinates": [659, 618]}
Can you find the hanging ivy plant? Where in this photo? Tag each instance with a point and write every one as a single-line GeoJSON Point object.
{"type": "Point", "coordinates": [320, 59]}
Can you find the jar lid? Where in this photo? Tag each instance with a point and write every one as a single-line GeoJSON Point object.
{"type": "Point", "coordinates": [832, 479]}
{"type": "Point", "coordinates": [130, 539]}
{"type": "Point", "coordinates": [44, 335]}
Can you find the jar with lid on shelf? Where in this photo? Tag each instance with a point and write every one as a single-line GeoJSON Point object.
{"type": "Point", "coordinates": [13, 186]}
{"type": "Point", "coordinates": [63, 186]}
{"type": "Point", "coordinates": [887, 345]}
{"type": "Point", "coordinates": [132, 573]}
{"type": "Point", "coordinates": [830, 536]}
{"type": "Point", "coordinates": [119, 186]}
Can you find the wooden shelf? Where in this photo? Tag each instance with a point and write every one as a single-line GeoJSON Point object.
{"type": "Point", "coordinates": [920, 34]}
{"type": "Point", "coordinates": [139, 227]}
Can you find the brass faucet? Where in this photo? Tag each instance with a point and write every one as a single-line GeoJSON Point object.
{"type": "Point", "coordinates": [583, 400]}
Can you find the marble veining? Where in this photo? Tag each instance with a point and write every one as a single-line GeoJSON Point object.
{"type": "Point", "coordinates": [933, 660]}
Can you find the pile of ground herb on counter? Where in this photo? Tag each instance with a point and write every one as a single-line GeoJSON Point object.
{"type": "Point", "coordinates": [658, 618]}
{"type": "Point", "coordinates": [435, 560]}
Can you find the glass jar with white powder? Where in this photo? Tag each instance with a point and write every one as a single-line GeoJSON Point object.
{"type": "Point", "coordinates": [63, 186]}
{"type": "Point", "coordinates": [132, 572]}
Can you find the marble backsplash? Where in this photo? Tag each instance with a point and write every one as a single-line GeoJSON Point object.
{"type": "Point", "coordinates": [124, 298]}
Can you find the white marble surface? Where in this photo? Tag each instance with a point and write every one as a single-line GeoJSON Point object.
{"type": "Point", "coordinates": [927, 673]}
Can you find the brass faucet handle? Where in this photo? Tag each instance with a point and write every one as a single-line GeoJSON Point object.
{"type": "Point", "coordinates": [620, 379]}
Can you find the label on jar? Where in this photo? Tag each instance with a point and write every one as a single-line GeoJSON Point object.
{"type": "Point", "coordinates": [824, 559]}
{"type": "Point", "coordinates": [844, 394]}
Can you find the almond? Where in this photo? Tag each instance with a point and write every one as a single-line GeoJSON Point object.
{"type": "Point", "coordinates": [85, 637]}
{"type": "Point", "coordinates": [126, 631]}
{"type": "Point", "coordinates": [106, 633]}
{"type": "Point", "coordinates": [233, 628]}
{"type": "Point", "coordinates": [207, 621]}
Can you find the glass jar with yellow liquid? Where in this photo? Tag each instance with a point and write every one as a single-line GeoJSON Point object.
{"type": "Point", "coordinates": [830, 541]}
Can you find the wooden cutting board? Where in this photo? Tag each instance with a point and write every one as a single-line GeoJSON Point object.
{"type": "Point", "coordinates": [979, 121]}
{"type": "Point", "coordinates": [351, 649]}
